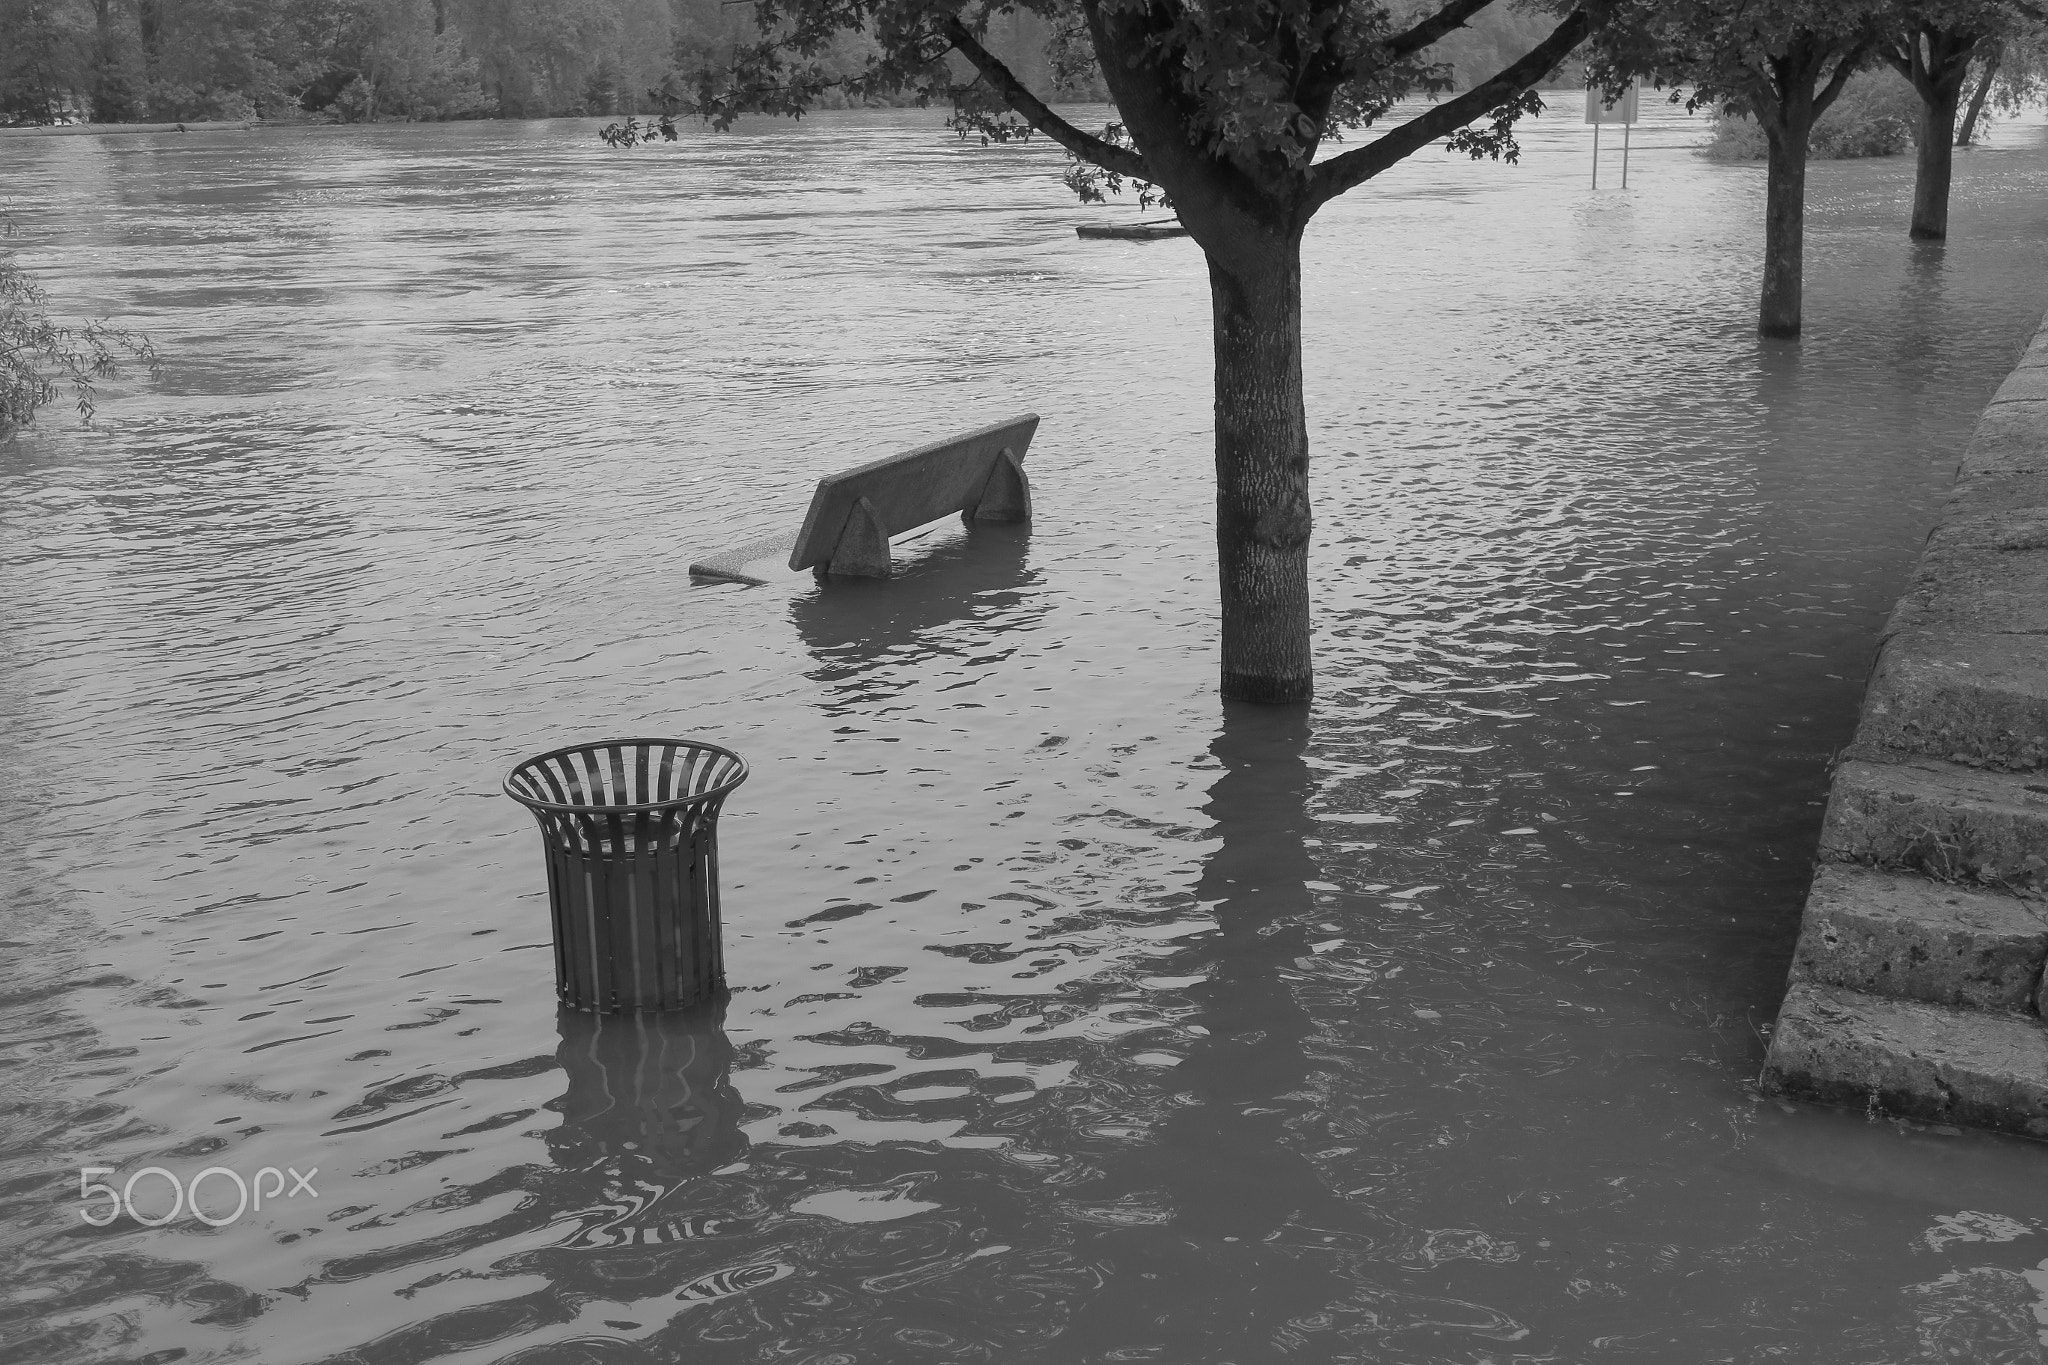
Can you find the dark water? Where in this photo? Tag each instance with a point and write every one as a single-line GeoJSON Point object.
{"type": "Point", "coordinates": [1075, 1018]}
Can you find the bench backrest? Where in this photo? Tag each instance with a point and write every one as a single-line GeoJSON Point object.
{"type": "Point", "coordinates": [910, 489]}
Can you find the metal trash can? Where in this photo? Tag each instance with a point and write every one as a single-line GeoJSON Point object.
{"type": "Point", "coordinates": [631, 833]}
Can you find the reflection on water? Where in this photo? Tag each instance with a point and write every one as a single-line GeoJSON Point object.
{"type": "Point", "coordinates": [1073, 1017]}
{"type": "Point", "coordinates": [1220, 1169]}
{"type": "Point", "coordinates": [650, 1105]}
{"type": "Point", "coordinates": [981, 575]}
{"type": "Point", "coordinates": [1230, 1168]}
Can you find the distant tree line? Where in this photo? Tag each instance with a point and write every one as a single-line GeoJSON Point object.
{"type": "Point", "coordinates": [349, 60]}
{"type": "Point", "coordinates": [117, 61]}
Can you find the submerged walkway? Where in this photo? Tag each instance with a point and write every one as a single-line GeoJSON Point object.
{"type": "Point", "coordinates": [1917, 986]}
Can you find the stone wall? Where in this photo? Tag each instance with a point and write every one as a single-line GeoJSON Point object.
{"type": "Point", "coordinates": [1917, 984]}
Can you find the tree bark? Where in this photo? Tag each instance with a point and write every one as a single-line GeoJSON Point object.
{"type": "Point", "coordinates": [1976, 109]}
{"type": "Point", "coordinates": [149, 16]}
{"type": "Point", "coordinates": [36, 39]}
{"type": "Point", "coordinates": [1262, 508]}
{"type": "Point", "coordinates": [1937, 163]}
{"type": "Point", "coordinates": [1249, 225]}
{"type": "Point", "coordinates": [109, 95]}
{"type": "Point", "coordinates": [1778, 314]}
{"type": "Point", "coordinates": [1937, 61]}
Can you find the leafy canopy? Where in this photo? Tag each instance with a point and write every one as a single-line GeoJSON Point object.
{"type": "Point", "coordinates": [1751, 57]}
{"type": "Point", "coordinates": [1747, 57]}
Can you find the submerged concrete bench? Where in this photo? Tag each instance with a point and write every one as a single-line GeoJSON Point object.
{"type": "Point", "coordinates": [978, 474]}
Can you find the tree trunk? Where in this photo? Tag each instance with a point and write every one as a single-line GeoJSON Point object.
{"type": "Point", "coordinates": [1784, 229]}
{"type": "Point", "coordinates": [1937, 61]}
{"type": "Point", "coordinates": [149, 16]}
{"type": "Point", "coordinates": [34, 39]}
{"type": "Point", "coordinates": [108, 98]}
{"type": "Point", "coordinates": [1262, 509]}
{"type": "Point", "coordinates": [1937, 161]}
{"type": "Point", "coordinates": [1250, 229]}
{"type": "Point", "coordinates": [1976, 109]}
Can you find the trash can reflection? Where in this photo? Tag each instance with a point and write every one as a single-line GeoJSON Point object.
{"type": "Point", "coordinates": [649, 1107]}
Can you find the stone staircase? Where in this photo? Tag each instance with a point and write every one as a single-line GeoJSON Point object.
{"type": "Point", "coordinates": [1917, 986]}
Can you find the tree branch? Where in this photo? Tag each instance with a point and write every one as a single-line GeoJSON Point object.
{"type": "Point", "coordinates": [1445, 20]}
{"type": "Point", "coordinates": [1844, 66]}
{"type": "Point", "coordinates": [1905, 57]}
{"type": "Point", "coordinates": [1361, 164]}
{"type": "Point", "coordinates": [1118, 160]}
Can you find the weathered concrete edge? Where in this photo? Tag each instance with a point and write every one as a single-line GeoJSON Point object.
{"type": "Point", "coordinates": [730, 566]}
{"type": "Point", "coordinates": [1962, 674]}
{"type": "Point", "coordinates": [1960, 688]}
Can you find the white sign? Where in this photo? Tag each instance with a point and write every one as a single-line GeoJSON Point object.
{"type": "Point", "coordinates": [1623, 111]}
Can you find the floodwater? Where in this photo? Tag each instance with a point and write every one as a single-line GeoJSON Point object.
{"type": "Point", "coordinates": [1074, 1017]}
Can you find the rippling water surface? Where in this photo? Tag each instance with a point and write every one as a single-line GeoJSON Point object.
{"type": "Point", "coordinates": [1075, 1018]}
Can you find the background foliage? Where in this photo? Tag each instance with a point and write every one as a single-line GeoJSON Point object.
{"type": "Point", "coordinates": [359, 60]}
{"type": "Point", "coordinates": [1875, 116]}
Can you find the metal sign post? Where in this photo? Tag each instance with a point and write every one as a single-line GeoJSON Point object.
{"type": "Point", "coordinates": [1622, 111]}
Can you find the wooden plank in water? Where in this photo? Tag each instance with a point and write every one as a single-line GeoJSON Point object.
{"type": "Point", "coordinates": [1134, 232]}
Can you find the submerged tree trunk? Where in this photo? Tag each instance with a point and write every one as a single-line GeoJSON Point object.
{"type": "Point", "coordinates": [1976, 109]}
{"type": "Point", "coordinates": [1784, 228]}
{"type": "Point", "coordinates": [1262, 509]}
{"type": "Point", "coordinates": [1248, 221]}
{"type": "Point", "coordinates": [1937, 163]}
{"type": "Point", "coordinates": [1937, 61]}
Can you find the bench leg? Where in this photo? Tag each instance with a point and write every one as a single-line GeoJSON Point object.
{"type": "Point", "coordinates": [1007, 494]}
{"type": "Point", "coordinates": [863, 548]}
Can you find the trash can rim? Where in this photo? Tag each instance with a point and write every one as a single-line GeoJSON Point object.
{"type": "Point", "coordinates": [564, 808]}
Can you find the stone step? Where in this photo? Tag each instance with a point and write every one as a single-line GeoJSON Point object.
{"type": "Point", "coordinates": [1912, 1059]}
{"type": "Point", "coordinates": [1974, 698]}
{"type": "Point", "coordinates": [1905, 936]}
{"type": "Point", "coordinates": [1963, 674]}
{"type": "Point", "coordinates": [1983, 572]}
{"type": "Point", "coordinates": [1942, 820]}
{"type": "Point", "coordinates": [2006, 463]}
